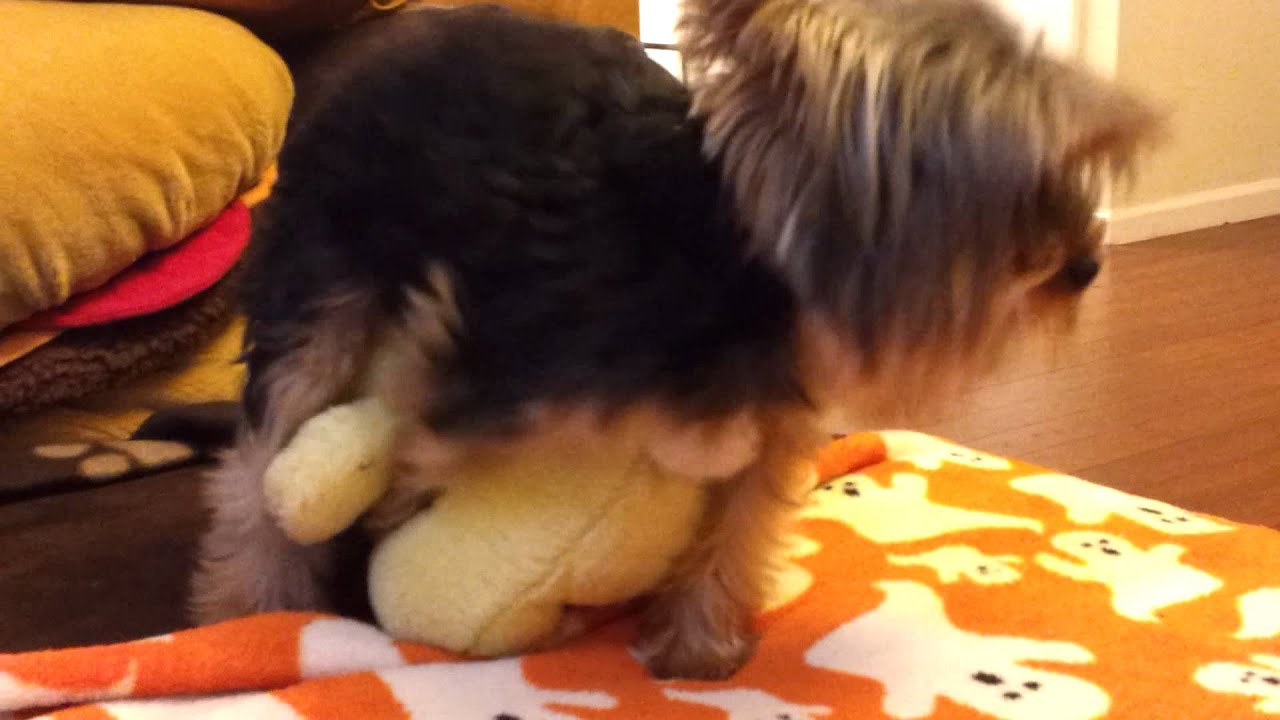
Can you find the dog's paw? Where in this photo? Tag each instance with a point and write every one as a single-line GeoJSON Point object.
{"type": "Point", "coordinates": [667, 653]}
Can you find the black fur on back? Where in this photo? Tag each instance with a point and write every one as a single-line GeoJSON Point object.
{"type": "Point", "coordinates": [554, 171]}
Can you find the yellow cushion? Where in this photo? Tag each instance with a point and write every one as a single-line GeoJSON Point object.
{"type": "Point", "coordinates": [125, 128]}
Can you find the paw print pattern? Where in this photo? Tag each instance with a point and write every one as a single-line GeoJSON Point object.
{"type": "Point", "coordinates": [103, 461]}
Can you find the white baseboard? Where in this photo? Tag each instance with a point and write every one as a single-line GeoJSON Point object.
{"type": "Point", "coordinates": [1234, 203]}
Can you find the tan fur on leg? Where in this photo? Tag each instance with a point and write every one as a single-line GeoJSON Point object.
{"type": "Point", "coordinates": [246, 564]}
{"type": "Point", "coordinates": [699, 626]}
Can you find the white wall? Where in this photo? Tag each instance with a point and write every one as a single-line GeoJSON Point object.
{"type": "Point", "coordinates": [1215, 65]}
{"type": "Point", "coordinates": [1055, 20]}
{"type": "Point", "coordinates": [657, 25]}
{"type": "Point", "coordinates": [658, 20]}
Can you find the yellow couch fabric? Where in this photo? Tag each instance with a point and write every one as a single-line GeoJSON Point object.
{"type": "Point", "coordinates": [123, 128]}
{"type": "Point", "coordinates": [621, 14]}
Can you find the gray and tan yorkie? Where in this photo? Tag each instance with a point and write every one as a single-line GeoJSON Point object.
{"type": "Point", "coordinates": [852, 207]}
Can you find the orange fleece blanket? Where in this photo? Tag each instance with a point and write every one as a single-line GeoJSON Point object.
{"type": "Point", "coordinates": [926, 580]}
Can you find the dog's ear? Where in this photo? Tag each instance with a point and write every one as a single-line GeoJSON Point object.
{"type": "Point", "coordinates": [755, 93]}
{"type": "Point", "coordinates": [899, 160]}
{"type": "Point", "coordinates": [1104, 123]}
{"type": "Point", "coordinates": [848, 112]}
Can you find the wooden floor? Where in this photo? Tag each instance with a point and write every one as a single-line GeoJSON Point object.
{"type": "Point", "coordinates": [1170, 387]}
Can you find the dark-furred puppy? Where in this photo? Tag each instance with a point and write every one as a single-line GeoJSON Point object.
{"type": "Point", "coordinates": [849, 210]}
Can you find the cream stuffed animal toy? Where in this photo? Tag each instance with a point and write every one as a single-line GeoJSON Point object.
{"type": "Point", "coordinates": [491, 566]}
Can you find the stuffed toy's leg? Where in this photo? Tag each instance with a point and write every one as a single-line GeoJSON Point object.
{"type": "Point", "coordinates": [336, 467]}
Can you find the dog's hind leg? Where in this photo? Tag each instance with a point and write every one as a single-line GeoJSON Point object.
{"type": "Point", "coordinates": [699, 626]}
{"type": "Point", "coordinates": [246, 564]}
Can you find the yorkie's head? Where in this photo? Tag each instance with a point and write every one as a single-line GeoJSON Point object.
{"type": "Point", "coordinates": [924, 177]}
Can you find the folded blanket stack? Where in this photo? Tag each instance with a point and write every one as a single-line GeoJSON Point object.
{"type": "Point", "coordinates": [124, 153]}
{"type": "Point", "coordinates": [147, 318]}
{"type": "Point", "coordinates": [82, 377]}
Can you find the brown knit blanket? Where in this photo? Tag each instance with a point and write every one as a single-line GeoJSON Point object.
{"type": "Point", "coordinates": [80, 408]}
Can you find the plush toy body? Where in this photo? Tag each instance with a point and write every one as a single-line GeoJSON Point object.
{"type": "Point", "coordinates": [489, 568]}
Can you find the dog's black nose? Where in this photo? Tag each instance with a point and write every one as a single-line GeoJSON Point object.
{"type": "Point", "coordinates": [1081, 271]}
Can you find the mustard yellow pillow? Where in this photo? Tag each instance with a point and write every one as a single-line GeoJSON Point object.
{"type": "Point", "coordinates": [123, 128]}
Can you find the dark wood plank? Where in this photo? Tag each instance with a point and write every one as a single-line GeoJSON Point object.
{"type": "Point", "coordinates": [1234, 471]}
{"type": "Point", "coordinates": [102, 565]}
{"type": "Point", "coordinates": [1170, 386]}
